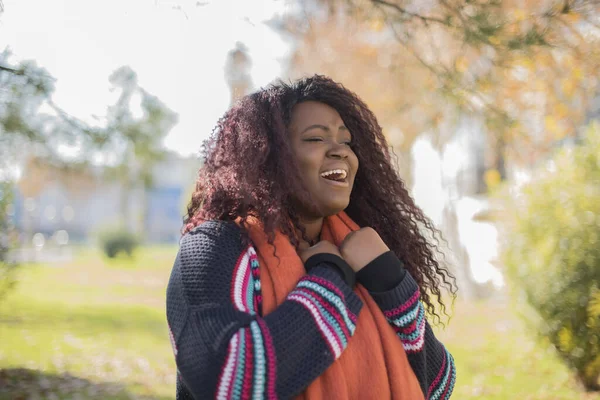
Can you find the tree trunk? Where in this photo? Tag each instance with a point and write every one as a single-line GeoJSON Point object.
{"type": "Point", "coordinates": [590, 383]}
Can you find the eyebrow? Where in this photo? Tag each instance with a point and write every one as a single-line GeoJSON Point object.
{"type": "Point", "coordinates": [325, 128]}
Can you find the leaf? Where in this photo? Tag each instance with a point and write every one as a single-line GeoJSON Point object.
{"type": "Point", "coordinates": [594, 305]}
{"type": "Point", "coordinates": [492, 178]}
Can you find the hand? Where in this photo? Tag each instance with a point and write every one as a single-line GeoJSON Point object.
{"type": "Point", "coordinates": [361, 247]}
{"type": "Point", "coordinates": [305, 252]}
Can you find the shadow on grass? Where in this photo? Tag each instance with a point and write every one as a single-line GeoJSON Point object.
{"type": "Point", "coordinates": [25, 384]}
{"type": "Point", "coordinates": [91, 319]}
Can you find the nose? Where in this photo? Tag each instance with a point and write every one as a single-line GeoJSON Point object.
{"type": "Point", "coordinates": [339, 151]}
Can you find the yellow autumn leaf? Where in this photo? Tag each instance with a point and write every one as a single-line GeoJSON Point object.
{"type": "Point", "coordinates": [565, 339]}
{"type": "Point", "coordinates": [540, 85]}
{"type": "Point", "coordinates": [573, 17]}
{"type": "Point", "coordinates": [492, 178]}
{"type": "Point", "coordinates": [551, 124]}
{"type": "Point", "coordinates": [561, 110]}
{"type": "Point", "coordinates": [594, 305]}
{"type": "Point", "coordinates": [461, 64]}
{"type": "Point", "coordinates": [376, 25]}
{"type": "Point", "coordinates": [519, 15]}
{"type": "Point", "coordinates": [494, 40]}
{"type": "Point", "coordinates": [568, 87]}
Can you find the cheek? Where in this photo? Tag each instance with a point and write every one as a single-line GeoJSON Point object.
{"type": "Point", "coordinates": [309, 164]}
{"type": "Point", "coordinates": [354, 164]}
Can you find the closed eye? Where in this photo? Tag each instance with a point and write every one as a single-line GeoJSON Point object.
{"type": "Point", "coordinates": [313, 139]}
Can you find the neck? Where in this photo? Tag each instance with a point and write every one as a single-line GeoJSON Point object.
{"type": "Point", "coordinates": [313, 228]}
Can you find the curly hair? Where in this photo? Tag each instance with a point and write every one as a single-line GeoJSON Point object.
{"type": "Point", "coordinates": [249, 171]}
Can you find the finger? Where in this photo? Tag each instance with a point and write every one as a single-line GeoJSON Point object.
{"type": "Point", "coordinates": [347, 238]}
{"type": "Point", "coordinates": [303, 245]}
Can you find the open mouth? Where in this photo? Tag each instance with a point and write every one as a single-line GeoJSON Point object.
{"type": "Point", "coordinates": [336, 175]}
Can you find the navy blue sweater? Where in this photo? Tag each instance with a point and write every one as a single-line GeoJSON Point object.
{"type": "Point", "coordinates": [225, 348]}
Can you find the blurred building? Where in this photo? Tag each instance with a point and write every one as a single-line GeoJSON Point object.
{"type": "Point", "coordinates": [83, 201]}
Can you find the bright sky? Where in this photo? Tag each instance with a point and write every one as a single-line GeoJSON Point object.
{"type": "Point", "coordinates": [178, 54]}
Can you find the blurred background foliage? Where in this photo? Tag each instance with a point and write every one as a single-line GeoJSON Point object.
{"type": "Point", "coordinates": [490, 105]}
{"type": "Point", "coordinates": [552, 256]}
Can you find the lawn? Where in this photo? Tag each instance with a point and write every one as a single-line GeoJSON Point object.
{"type": "Point", "coordinates": [93, 329]}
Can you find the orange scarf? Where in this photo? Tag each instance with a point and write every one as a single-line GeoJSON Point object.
{"type": "Point", "coordinates": [374, 365]}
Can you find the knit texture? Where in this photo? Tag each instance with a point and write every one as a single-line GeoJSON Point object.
{"type": "Point", "coordinates": [225, 348]}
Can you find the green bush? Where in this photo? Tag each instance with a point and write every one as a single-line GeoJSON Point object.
{"type": "Point", "coordinates": [552, 253]}
{"type": "Point", "coordinates": [7, 267]}
{"type": "Point", "coordinates": [116, 241]}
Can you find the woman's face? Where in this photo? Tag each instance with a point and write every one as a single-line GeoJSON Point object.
{"type": "Point", "coordinates": [321, 145]}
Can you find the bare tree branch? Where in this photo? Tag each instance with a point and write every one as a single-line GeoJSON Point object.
{"type": "Point", "coordinates": [423, 18]}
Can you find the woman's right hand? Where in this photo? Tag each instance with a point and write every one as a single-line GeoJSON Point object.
{"type": "Point", "coordinates": [305, 252]}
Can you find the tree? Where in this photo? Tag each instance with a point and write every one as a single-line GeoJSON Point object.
{"type": "Point", "coordinates": [553, 258]}
{"type": "Point", "coordinates": [527, 69]}
{"type": "Point", "coordinates": [135, 140]}
{"type": "Point", "coordinates": [30, 120]}
{"type": "Point", "coordinates": [7, 266]}
{"type": "Point", "coordinates": [128, 144]}
{"type": "Point", "coordinates": [237, 72]}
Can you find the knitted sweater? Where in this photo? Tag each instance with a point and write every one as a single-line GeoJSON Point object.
{"type": "Point", "coordinates": [225, 348]}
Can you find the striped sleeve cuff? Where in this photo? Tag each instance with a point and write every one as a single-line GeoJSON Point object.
{"type": "Point", "coordinates": [332, 305]}
{"type": "Point", "coordinates": [406, 314]}
{"type": "Point", "coordinates": [442, 386]}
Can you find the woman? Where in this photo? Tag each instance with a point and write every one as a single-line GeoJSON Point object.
{"type": "Point", "coordinates": [303, 270]}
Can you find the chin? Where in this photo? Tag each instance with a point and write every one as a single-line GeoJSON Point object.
{"type": "Point", "coordinates": [334, 208]}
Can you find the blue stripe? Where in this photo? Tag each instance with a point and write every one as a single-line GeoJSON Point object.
{"type": "Point", "coordinates": [407, 318]}
{"type": "Point", "coordinates": [241, 360]}
{"type": "Point", "coordinates": [414, 335]}
{"type": "Point", "coordinates": [440, 390]}
{"type": "Point", "coordinates": [259, 381]}
{"type": "Point", "coordinates": [332, 298]}
{"type": "Point", "coordinates": [327, 315]}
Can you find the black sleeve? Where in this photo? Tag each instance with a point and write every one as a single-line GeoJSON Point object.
{"type": "Point", "coordinates": [224, 347]}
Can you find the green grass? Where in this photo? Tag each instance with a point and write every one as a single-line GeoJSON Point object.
{"type": "Point", "coordinates": [94, 329]}
{"type": "Point", "coordinates": [497, 358]}
{"type": "Point", "coordinates": [99, 321]}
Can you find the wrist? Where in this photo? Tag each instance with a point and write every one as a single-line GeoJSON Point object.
{"type": "Point", "coordinates": [382, 274]}
{"type": "Point", "coordinates": [335, 262]}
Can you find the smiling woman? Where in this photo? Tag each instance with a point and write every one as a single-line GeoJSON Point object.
{"type": "Point", "coordinates": [303, 263]}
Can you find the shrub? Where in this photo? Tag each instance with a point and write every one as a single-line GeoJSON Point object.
{"type": "Point", "coordinates": [552, 254]}
{"type": "Point", "coordinates": [117, 241]}
{"type": "Point", "coordinates": [7, 267]}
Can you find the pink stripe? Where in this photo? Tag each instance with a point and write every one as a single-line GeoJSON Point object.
{"type": "Point", "coordinates": [247, 386]}
{"type": "Point", "coordinates": [407, 329]}
{"type": "Point", "coordinates": [337, 339]}
{"type": "Point", "coordinates": [332, 310]}
{"type": "Point", "coordinates": [325, 283]}
{"type": "Point", "coordinates": [421, 334]}
{"type": "Point", "coordinates": [438, 377]}
{"type": "Point", "coordinates": [299, 299]}
{"type": "Point", "coordinates": [272, 367]}
{"type": "Point", "coordinates": [395, 311]}
{"type": "Point", "coordinates": [448, 382]}
{"type": "Point", "coordinates": [244, 291]}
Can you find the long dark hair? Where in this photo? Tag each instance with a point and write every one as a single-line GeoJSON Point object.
{"type": "Point", "coordinates": [249, 171]}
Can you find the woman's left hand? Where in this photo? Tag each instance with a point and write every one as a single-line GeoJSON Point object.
{"type": "Point", "coordinates": [361, 247]}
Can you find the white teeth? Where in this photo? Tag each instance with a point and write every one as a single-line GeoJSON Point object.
{"type": "Point", "coordinates": [335, 171]}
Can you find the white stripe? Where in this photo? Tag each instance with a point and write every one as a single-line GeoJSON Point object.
{"type": "Point", "coordinates": [413, 347]}
{"type": "Point", "coordinates": [259, 354]}
{"type": "Point", "coordinates": [229, 366]}
{"type": "Point", "coordinates": [238, 296]}
{"type": "Point", "coordinates": [317, 317]}
{"type": "Point", "coordinates": [331, 296]}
